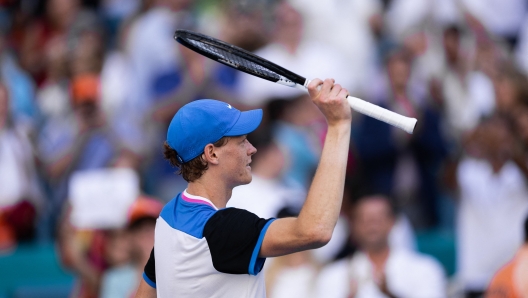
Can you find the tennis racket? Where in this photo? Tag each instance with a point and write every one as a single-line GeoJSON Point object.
{"type": "Point", "coordinates": [252, 64]}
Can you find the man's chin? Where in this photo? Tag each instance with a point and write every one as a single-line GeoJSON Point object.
{"type": "Point", "coordinates": [245, 181]}
{"type": "Point", "coordinates": [248, 179]}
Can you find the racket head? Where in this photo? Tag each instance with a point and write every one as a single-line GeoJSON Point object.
{"type": "Point", "coordinates": [237, 58]}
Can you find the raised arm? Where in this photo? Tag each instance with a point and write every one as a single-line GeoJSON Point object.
{"type": "Point", "coordinates": [314, 226]}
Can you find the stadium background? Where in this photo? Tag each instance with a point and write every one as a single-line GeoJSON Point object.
{"type": "Point", "coordinates": [93, 84]}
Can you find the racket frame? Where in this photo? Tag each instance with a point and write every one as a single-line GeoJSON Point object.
{"type": "Point", "coordinates": [283, 76]}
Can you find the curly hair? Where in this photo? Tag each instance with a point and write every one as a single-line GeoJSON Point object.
{"type": "Point", "coordinates": [193, 169]}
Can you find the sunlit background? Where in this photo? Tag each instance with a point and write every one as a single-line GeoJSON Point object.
{"type": "Point", "coordinates": [87, 89]}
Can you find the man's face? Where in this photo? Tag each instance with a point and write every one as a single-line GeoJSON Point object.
{"type": "Point", "coordinates": [234, 159]}
{"type": "Point", "coordinates": [117, 247]}
{"type": "Point", "coordinates": [372, 222]}
{"type": "Point", "coordinates": [143, 238]}
{"type": "Point", "coordinates": [399, 71]}
{"type": "Point", "coordinates": [451, 46]}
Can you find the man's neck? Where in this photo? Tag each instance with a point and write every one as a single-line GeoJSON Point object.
{"type": "Point", "coordinates": [214, 192]}
{"type": "Point", "coordinates": [378, 256]}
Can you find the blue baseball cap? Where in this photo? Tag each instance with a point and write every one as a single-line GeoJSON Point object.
{"type": "Point", "coordinates": [206, 121]}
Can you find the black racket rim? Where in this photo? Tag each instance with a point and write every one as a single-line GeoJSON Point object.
{"type": "Point", "coordinates": [182, 36]}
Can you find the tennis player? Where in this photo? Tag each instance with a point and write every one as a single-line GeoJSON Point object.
{"type": "Point", "coordinates": [202, 248]}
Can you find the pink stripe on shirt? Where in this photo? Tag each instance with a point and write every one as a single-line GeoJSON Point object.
{"type": "Point", "coordinates": [190, 200]}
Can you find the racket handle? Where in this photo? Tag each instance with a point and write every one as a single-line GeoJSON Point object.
{"type": "Point", "coordinates": [377, 112]}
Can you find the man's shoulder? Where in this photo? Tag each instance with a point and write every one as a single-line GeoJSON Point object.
{"type": "Point", "coordinates": [185, 216]}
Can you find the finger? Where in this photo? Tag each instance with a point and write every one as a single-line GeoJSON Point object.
{"type": "Point", "coordinates": [314, 87]}
{"type": "Point", "coordinates": [314, 83]}
{"type": "Point", "coordinates": [328, 84]}
{"type": "Point", "coordinates": [343, 93]}
{"type": "Point", "coordinates": [335, 90]}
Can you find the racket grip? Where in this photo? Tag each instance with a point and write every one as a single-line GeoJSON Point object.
{"type": "Point", "coordinates": [377, 112]}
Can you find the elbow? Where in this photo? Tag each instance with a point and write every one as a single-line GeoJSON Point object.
{"type": "Point", "coordinates": [319, 239]}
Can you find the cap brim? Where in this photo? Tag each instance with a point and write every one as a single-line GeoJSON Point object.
{"type": "Point", "coordinates": [246, 123]}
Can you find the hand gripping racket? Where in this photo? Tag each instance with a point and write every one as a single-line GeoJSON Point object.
{"type": "Point", "coordinates": [252, 64]}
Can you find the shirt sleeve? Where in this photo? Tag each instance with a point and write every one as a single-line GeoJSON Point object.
{"type": "Point", "coordinates": [149, 273]}
{"type": "Point", "coordinates": [234, 237]}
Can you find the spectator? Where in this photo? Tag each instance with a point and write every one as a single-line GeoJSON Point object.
{"type": "Point", "coordinates": [53, 98]}
{"type": "Point", "coordinates": [156, 60]}
{"type": "Point", "coordinates": [520, 119]}
{"type": "Point", "coordinates": [116, 76]}
{"type": "Point", "coordinates": [376, 270]}
{"type": "Point", "coordinates": [293, 275]}
{"type": "Point", "coordinates": [122, 279]}
{"type": "Point", "coordinates": [299, 130]}
{"type": "Point", "coordinates": [521, 53]}
{"type": "Point", "coordinates": [163, 77]}
{"type": "Point", "coordinates": [493, 203]}
{"type": "Point", "coordinates": [487, 13]}
{"type": "Point", "coordinates": [510, 89]}
{"type": "Point", "coordinates": [62, 63]}
{"type": "Point", "coordinates": [109, 262]}
{"type": "Point", "coordinates": [510, 280]}
{"type": "Point", "coordinates": [83, 252]}
{"type": "Point", "coordinates": [385, 153]}
{"type": "Point", "coordinates": [357, 51]}
{"type": "Point", "coordinates": [305, 57]}
{"type": "Point", "coordinates": [119, 278]}
{"type": "Point", "coordinates": [468, 94]}
{"type": "Point", "coordinates": [82, 141]}
{"type": "Point", "coordinates": [64, 19]}
{"type": "Point", "coordinates": [243, 24]}
{"type": "Point", "coordinates": [115, 12]}
{"type": "Point", "coordinates": [20, 193]}
{"type": "Point", "coordinates": [19, 85]}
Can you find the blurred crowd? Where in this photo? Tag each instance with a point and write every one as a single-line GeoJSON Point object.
{"type": "Point", "coordinates": [93, 84]}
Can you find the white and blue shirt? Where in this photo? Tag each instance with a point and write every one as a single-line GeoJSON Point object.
{"type": "Point", "coordinates": [201, 251]}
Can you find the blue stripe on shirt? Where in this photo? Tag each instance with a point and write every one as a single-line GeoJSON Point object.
{"type": "Point", "coordinates": [148, 281]}
{"type": "Point", "coordinates": [256, 264]}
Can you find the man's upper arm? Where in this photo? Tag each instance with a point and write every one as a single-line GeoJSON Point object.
{"type": "Point", "coordinates": [284, 237]}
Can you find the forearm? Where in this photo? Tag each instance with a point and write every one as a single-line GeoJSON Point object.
{"type": "Point", "coordinates": [323, 203]}
{"type": "Point", "coordinates": [315, 224]}
{"type": "Point", "coordinates": [145, 291]}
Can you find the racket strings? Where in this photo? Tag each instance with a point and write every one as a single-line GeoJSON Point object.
{"type": "Point", "coordinates": [236, 60]}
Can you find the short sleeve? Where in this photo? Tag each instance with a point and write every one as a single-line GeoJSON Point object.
{"type": "Point", "coordinates": [234, 237]}
{"type": "Point", "coordinates": [149, 273]}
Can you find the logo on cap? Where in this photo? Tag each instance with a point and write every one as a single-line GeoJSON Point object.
{"type": "Point", "coordinates": [229, 106]}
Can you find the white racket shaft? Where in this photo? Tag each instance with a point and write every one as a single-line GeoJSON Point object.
{"type": "Point", "coordinates": [377, 112]}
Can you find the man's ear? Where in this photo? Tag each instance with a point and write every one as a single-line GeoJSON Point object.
{"type": "Point", "coordinates": [210, 155]}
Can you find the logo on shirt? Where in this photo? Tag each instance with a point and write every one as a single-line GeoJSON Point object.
{"type": "Point", "coordinates": [229, 106]}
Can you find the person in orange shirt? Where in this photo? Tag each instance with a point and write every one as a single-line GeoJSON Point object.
{"type": "Point", "coordinates": [511, 281]}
